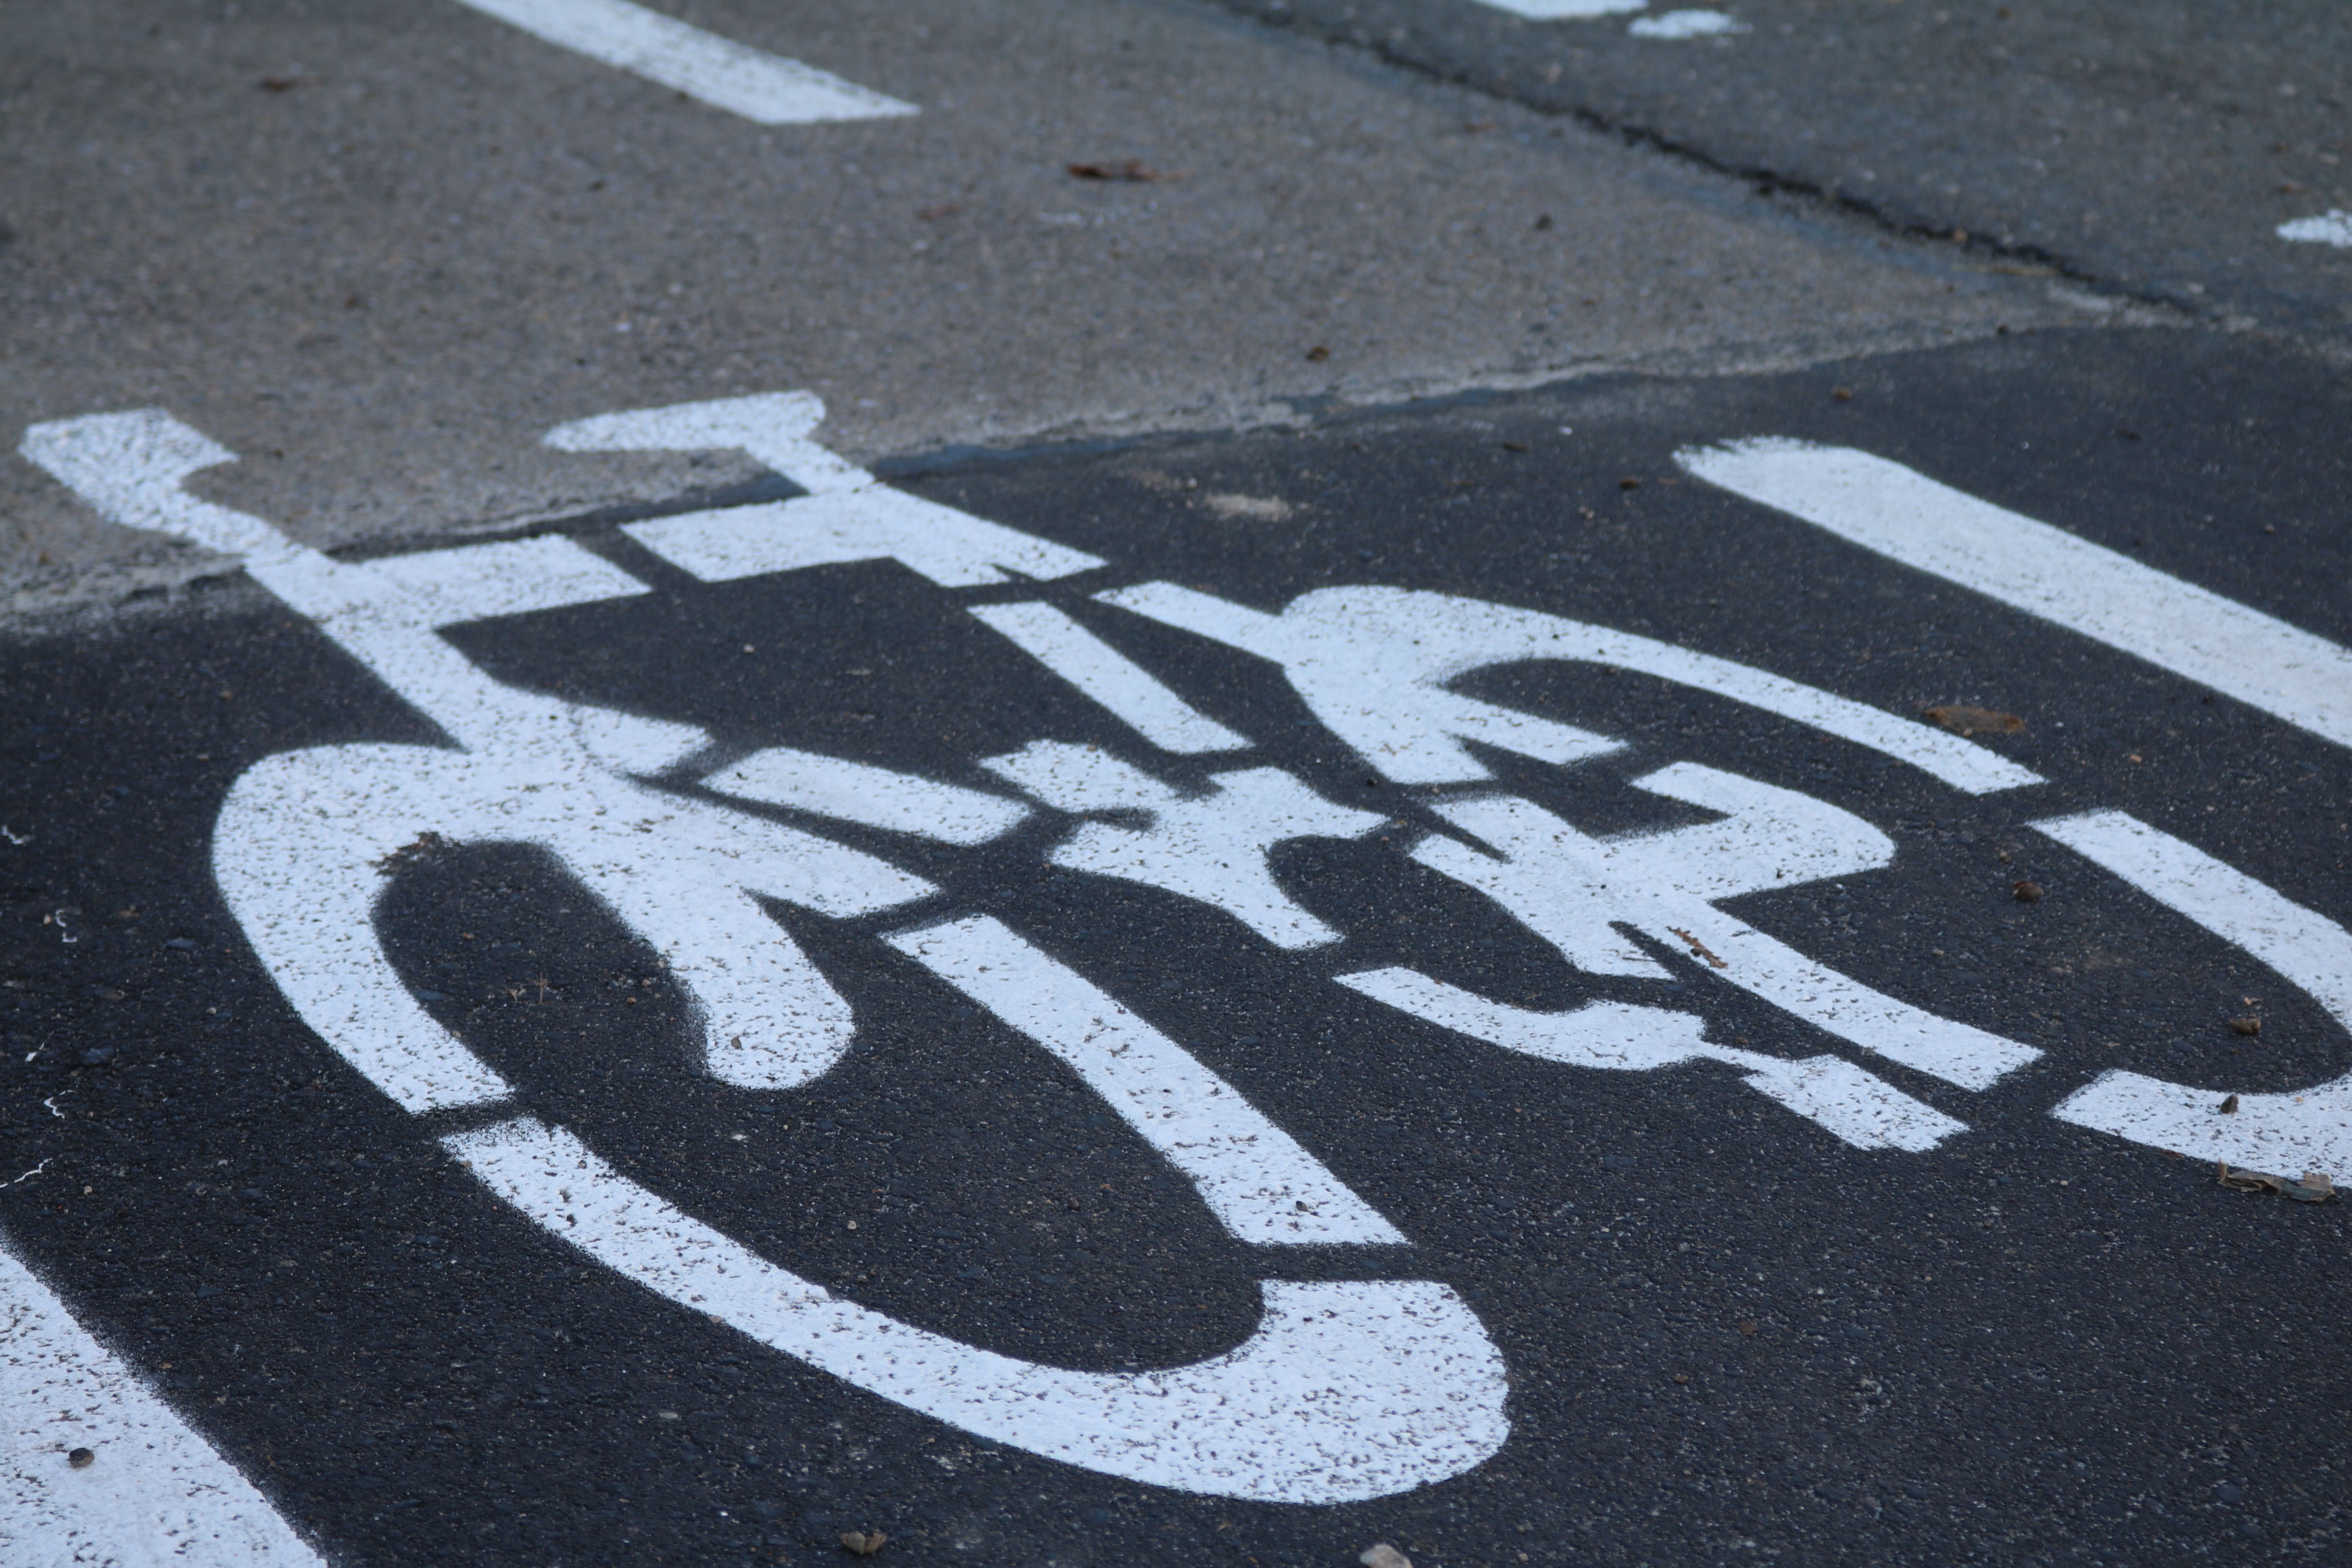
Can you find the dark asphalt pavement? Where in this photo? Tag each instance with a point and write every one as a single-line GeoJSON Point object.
{"type": "Point", "coordinates": [1728, 1333]}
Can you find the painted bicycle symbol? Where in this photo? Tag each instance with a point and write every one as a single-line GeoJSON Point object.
{"type": "Point", "coordinates": [1345, 1390]}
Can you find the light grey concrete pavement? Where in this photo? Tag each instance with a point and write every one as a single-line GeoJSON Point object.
{"type": "Point", "coordinates": [378, 248]}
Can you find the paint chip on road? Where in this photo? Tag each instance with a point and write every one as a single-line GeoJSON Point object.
{"type": "Point", "coordinates": [1687, 25]}
{"type": "Point", "coordinates": [2328, 229]}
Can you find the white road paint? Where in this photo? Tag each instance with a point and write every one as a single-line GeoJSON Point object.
{"type": "Point", "coordinates": [2331, 227]}
{"type": "Point", "coordinates": [877, 797]}
{"type": "Point", "coordinates": [1770, 838]}
{"type": "Point", "coordinates": [1565, 10]}
{"type": "Point", "coordinates": [154, 1495]}
{"type": "Point", "coordinates": [1569, 889]}
{"type": "Point", "coordinates": [848, 515]}
{"type": "Point", "coordinates": [726, 75]}
{"type": "Point", "coordinates": [1111, 678]}
{"type": "Point", "coordinates": [1211, 848]}
{"type": "Point", "coordinates": [1257, 1180]}
{"type": "Point", "coordinates": [1345, 1391]}
{"type": "Point", "coordinates": [1678, 25]}
{"type": "Point", "coordinates": [306, 841]}
{"type": "Point", "coordinates": [1842, 1098]}
{"type": "Point", "coordinates": [1375, 665]}
{"type": "Point", "coordinates": [2045, 572]}
{"type": "Point", "coordinates": [2285, 1134]}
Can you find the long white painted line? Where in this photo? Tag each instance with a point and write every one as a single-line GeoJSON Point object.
{"type": "Point", "coordinates": [1253, 1177]}
{"type": "Point", "coordinates": [1565, 10]}
{"type": "Point", "coordinates": [721, 73]}
{"type": "Point", "coordinates": [1853, 1106]}
{"type": "Point", "coordinates": [150, 1490]}
{"type": "Point", "coordinates": [878, 797]}
{"type": "Point", "coordinates": [1111, 678]}
{"type": "Point", "coordinates": [2046, 571]}
{"type": "Point", "coordinates": [2286, 1135]}
{"type": "Point", "coordinates": [1345, 1390]}
{"type": "Point", "coordinates": [2333, 228]}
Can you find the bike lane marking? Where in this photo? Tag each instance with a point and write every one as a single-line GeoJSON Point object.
{"type": "Point", "coordinates": [761, 87]}
{"type": "Point", "coordinates": [150, 1490]}
{"type": "Point", "coordinates": [1753, 857]}
{"type": "Point", "coordinates": [1342, 1390]}
{"type": "Point", "coordinates": [2046, 571]}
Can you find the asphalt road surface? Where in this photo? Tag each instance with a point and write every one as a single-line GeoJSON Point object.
{"type": "Point", "coordinates": [1098, 784]}
{"type": "Point", "coordinates": [2156, 149]}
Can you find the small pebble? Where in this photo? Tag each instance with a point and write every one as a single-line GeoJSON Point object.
{"type": "Point", "coordinates": [81, 1458]}
{"type": "Point", "coordinates": [1382, 1555]}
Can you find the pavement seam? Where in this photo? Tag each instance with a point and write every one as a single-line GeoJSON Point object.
{"type": "Point", "coordinates": [1767, 182]}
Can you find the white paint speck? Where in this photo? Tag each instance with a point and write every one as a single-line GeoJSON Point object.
{"type": "Point", "coordinates": [1687, 25]}
{"type": "Point", "coordinates": [2328, 229]}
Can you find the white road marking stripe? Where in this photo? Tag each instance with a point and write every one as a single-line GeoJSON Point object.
{"type": "Point", "coordinates": [2045, 572]}
{"type": "Point", "coordinates": [1111, 678]}
{"type": "Point", "coordinates": [2285, 1134]}
{"type": "Point", "coordinates": [724, 74]}
{"type": "Point", "coordinates": [1377, 666]}
{"type": "Point", "coordinates": [1344, 1391]}
{"type": "Point", "coordinates": [152, 1492]}
{"type": "Point", "coordinates": [1849, 1103]}
{"type": "Point", "coordinates": [878, 797]}
{"type": "Point", "coordinates": [1253, 1177]}
{"type": "Point", "coordinates": [2331, 227]}
{"type": "Point", "coordinates": [1565, 10]}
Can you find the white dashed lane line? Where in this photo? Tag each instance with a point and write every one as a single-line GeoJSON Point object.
{"type": "Point", "coordinates": [726, 75]}
{"type": "Point", "coordinates": [94, 1469]}
{"type": "Point", "coordinates": [2046, 571]}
